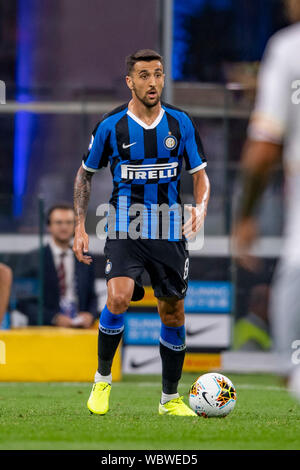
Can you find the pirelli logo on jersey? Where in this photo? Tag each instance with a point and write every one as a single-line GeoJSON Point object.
{"type": "Point", "coordinates": [149, 172]}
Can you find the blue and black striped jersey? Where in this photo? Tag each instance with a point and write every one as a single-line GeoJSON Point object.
{"type": "Point", "coordinates": [146, 163]}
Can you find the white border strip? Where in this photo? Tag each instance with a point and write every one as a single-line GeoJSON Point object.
{"type": "Point", "coordinates": [198, 168]}
{"type": "Point", "coordinates": [91, 170]}
{"type": "Point", "coordinates": [77, 107]}
{"type": "Point", "coordinates": [143, 124]}
{"type": "Point", "coordinates": [267, 247]}
{"type": "Point", "coordinates": [242, 362]}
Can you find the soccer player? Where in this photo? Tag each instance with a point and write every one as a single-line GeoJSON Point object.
{"type": "Point", "coordinates": [145, 141]}
{"type": "Point", "coordinates": [275, 125]}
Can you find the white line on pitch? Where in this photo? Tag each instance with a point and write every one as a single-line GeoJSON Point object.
{"type": "Point", "coordinates": [151, 384]}
{"type": "Point", "coordinates": [238, 386]}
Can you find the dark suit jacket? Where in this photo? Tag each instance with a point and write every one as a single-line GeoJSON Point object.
{"type": "Point", "coordinates": [84, 281]}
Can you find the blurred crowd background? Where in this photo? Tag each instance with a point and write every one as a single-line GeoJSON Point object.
{"type": "Point", "coordinates": [63, 64]}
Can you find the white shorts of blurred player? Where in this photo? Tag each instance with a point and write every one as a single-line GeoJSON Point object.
{"type": "Point", "coordinates": [285, 322]}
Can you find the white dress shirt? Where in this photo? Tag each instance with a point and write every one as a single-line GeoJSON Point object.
{"type": "Point", "coordinates": [69, 263]}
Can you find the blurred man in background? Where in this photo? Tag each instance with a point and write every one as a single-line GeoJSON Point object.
{"type": "Point", "coordinates": [5, 289]}
{"type": "Point", "coordinates": [275, 129]}
{"type": "Point", "coordinates": [69, 294]}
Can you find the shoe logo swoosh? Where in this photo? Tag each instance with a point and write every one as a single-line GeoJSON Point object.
{"type": "Point", "coordinates": [200, 330]}
{"type": "Point", "coordinates": [136, 365]}
{"type": "Point", "coordinates": [124, 146]}
{"type": "Point", "coordinates": [203, 394]}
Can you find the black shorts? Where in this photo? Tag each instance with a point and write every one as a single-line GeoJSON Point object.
{"type": "Point", "coordinates": [166, 262]}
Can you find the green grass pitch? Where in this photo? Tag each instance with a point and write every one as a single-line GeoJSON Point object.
{"type": "Point", "coordinates": [54, 416]}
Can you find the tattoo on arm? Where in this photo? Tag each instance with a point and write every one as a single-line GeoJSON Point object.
{"type": "Point", "coordinates": [82, 190]}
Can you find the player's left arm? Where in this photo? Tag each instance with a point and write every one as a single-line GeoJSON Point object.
{"type": "Point", "coordinates": [195, 163]}
{"type": "Point", "coordinates": [201, 189]}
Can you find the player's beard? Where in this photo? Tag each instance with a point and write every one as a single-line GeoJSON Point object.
{"type": "Point", "coordinates": [144, 100]}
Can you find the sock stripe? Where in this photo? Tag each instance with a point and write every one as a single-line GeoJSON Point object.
{"type": "Point", "coordinates": [110, 331]}
{"type": "Point", "coordinates": [110, 323]}
{"type": "Point", "coordinates": [173, 337]}
{"type": "Point", "coordinates": [174, 347]}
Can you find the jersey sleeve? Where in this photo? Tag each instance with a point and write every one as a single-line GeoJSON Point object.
{"type": "Point", "coordinates": [193, 153]}
{"type": "Point", "coordinates": [98, 150]}
{"type": "Point", "coordinates": [268, 121]}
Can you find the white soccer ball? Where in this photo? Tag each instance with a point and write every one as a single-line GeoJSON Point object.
{"type": "Point", "coordinates": [212, 395]}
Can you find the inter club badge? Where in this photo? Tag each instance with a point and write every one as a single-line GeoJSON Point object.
{"type": "Point", "coordinates": [170, 142]}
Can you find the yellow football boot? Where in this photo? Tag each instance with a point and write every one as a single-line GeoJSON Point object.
{"type": "Point", "coordinates": [175, 407]}
{"type": "Point", "coordinates": [98, 402]}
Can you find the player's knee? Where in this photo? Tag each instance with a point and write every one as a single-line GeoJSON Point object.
{"type": "Point", "coordinates": [174, 318]}
{"type": "Point", "coordinates": [119, 303]}
{"type": "Point", "coordinates": [171, 312]}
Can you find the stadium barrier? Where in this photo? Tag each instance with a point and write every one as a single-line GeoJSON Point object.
{"type": "Point", "coordinates": [46, 354]}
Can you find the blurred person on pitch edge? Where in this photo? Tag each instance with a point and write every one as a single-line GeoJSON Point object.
{"type": "Point", "coordinates": [274, 126]}
{"type": "Point", "coordinates": [69, 295]}
{"type": "Point", "coordinates": [251, 332]}
{"type": "Point", "coordinates": [5, 289]}
{"type": "Point", "coordinates": [145, 142]}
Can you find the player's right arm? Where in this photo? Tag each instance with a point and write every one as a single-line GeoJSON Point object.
{"type": "Point", "coordinates": [93, 161]}
{"type": "Point", "coordinates": [195, 162]}
{"type": "Point", "coordinates": [82, 191]}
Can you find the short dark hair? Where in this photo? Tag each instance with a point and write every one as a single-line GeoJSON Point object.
{"type": "Point", "coordinates": [65, 206]}
{"type": "Point", "coordinates": [143, 54]}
